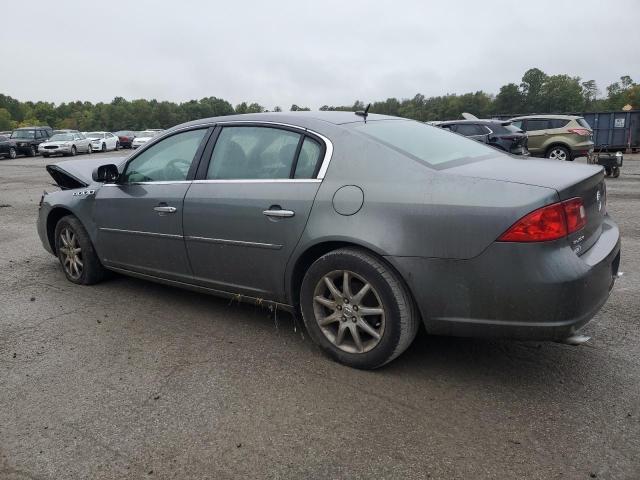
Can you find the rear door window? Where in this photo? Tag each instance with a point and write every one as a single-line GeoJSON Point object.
{"type": "Point", "coordinates": [558, 123]}
{"type": "Point", "coordinates": [253, 153]}
{"type": "Point", "coordinates": [308, 159]}
{"type": "Point", "coordinates": [469, 129]}
{"type": "Point", "coordinates": [534, 124]}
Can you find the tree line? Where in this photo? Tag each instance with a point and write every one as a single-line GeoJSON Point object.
{"type": "Point", "coordinates": [536, 93]}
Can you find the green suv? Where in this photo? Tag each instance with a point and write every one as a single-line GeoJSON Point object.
{"type": "Point", "coordinates": [561, 137]}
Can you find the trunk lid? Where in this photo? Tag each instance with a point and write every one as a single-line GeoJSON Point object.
{"type": "Point", "coordinates": [77, 173]}
{"type": "Point", "coordinates": [568, 179]}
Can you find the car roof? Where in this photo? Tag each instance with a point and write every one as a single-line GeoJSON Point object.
{"type": "Point", "coordinates": [561, 117]}
{"type": "Point", "coordinates": [488, 122]}
{"type": "Point", "coordinates": [302, 119]}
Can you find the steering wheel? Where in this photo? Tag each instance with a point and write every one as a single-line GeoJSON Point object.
{"type": "Point", "coordinates": [176, 169]}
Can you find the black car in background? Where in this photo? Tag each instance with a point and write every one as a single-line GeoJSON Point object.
{"type": "Point", "coordinates": [125, 137]}
{"type": "Point", "coordinates": [28, 138]}
{"type": "Point", "coordinates": [495, 133]}
{"type": "Point", "coordinates": [8, 147]}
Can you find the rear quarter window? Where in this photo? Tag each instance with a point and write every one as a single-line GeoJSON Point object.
{"type": "Point", "coordinates": [558, 123]}
{"type": "Point", "coordinates": [583, 123]}
{"type": "Point", "coordinates": [430, 145]}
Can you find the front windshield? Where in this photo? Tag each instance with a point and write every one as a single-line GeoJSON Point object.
{"type": "Point", "coordinates": [95, 135]}
{"type": "Point", "coordinates": [23, 134]}
{"type": "Point", "coordinates": [61, 137]}
{"type": "Point", "coordinates": [431, 145]}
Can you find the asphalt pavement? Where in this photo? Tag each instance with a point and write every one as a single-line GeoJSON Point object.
{"type": "Point", "coordinates": [130, 379]}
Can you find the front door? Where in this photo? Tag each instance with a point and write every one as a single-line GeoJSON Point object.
{"type": "Point", "coordinates": [139, 219]}
{"type": "Point", "coordinates": [245, 215]}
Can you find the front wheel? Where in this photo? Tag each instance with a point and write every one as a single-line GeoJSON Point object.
{"type": "Point", "coordinates": [104, 147]}
{"type": "Point", "coordinates": [75, 251]}
{"type": "Point", "coordinates": [559, 153]}
{"type": "Point", "coordinates": [32, 151]}
{"type": "Point", "coordinates": [12, 153]}
{"type": "Point", "coordinates": [357, 309]}
{"type": "Point", "coordinates": [73, 151]}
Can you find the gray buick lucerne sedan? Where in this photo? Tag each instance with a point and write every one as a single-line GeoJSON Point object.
{"type": "Point", "coordinates": [366, 225]}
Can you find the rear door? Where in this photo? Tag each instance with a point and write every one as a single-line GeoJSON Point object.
{"type": "Point", "coordinates": [246, 211]}
{"type": "Point", "coordinates": [537, 133]}
{"type": "Point", "coordinates": [139, 219]}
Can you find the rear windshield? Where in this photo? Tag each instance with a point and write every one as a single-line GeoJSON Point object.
{"type": "Point", "coordinates": [431, 145]}
{"type": "Point", "coordinates": [583, 123]}
{"type": "Point", "coordinates": [510, 128]}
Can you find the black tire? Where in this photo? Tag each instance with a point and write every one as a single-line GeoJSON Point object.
{"type": "Point", "coordinates": [117, 146]}
{"type": "Point", "coordinates": [558, 152]}
{"type": "Point", "coordinates": [92, 270]}
{"type": "Point", "coordinates": [89, 150]}
{"type": "Point", "coordinates": [32, 151]}
{"type": "Point", "coordinates": [400, 319]}
{"type": "Point", "coordinates": [615, 172]}
{"type": "Point", "coordinates": [12, 153]}
{"type": "Point", "coordinates": [104, 147]}
{"type": "Point", "coordinates": [607, 171]}
{"type": "Point", "coordinates": [73, 150]}
{"type": "Point", "coordinates": [45, 155]}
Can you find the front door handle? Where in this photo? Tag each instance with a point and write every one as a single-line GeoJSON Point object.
{"type": "Point", "coordinates": [165, 209]}
{"type": "Point", "coordinates": [279, 213]}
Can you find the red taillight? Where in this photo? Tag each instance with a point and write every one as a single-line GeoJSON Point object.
{"type": "Point", "coordinates": [548, 223]}
{"type": "Point", "coordinates": [580, 131]}
{"type": "Point", "coordinates": [576, 215]}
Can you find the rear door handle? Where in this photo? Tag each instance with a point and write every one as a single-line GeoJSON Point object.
{"type": "Point", "coordinates": [164, 209]}
{"type": "Point", "coordinates": [279, 213]}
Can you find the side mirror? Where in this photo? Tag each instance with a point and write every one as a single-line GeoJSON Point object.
{"type": "Point", "coordinates": [105, 174]}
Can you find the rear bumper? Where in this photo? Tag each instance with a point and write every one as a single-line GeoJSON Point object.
{"type": "Point", "coordinates": [532, 291]}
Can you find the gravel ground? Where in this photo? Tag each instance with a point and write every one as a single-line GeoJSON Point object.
{"type": "Point", "coordinates": [128, 379]}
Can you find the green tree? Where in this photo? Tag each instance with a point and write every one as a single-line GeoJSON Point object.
{"type": "Point", "coordinates": [589, 93]}
{"type": "Point", "coordinates": [510, 100]}
{"type": "Point", "coordinates": [532, 82]}
{"type": "Point", "coordinates": [561, 93]}
{"type": "Point", "coordinates": [5, 120]}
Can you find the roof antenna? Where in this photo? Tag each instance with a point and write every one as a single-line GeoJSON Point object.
{"type": "Point", "coordinates": [364, 113]}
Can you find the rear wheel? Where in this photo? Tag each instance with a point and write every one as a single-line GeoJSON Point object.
{"type": "Point", "coordinates": [117, 146]}
{"type": "Point", "coordinates": [615, 173]}
{"type": "Point", "coordinates": [559, 153]}
{"type": "Point", "coordinates": [76, 253]}
{"type": "Point", "coordinates": [357, 309]}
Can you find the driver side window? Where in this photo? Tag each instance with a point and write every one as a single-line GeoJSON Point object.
{"type": "Point", "coordinates": [167, 160]}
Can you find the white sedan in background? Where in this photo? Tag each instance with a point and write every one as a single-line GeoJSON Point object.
{"type": "Point", "coordinates": [143, 137]}
{"type": "Point", "coordinates": [103, 141]}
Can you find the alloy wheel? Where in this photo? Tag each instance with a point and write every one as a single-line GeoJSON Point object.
{"type": "Point", "coordinates": [558, 154]}
{"type": "Point", "coordinates": [12, 153]}
{"type": "Point", "coordinates": [71, 253]}
{"type": "Point", "coordinates": [352, 322]}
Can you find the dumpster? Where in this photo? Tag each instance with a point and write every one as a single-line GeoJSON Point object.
{"type": "Point", "coordinates": [615, 130]}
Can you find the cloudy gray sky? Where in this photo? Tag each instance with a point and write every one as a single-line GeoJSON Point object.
{"type": "Point", "coordinates": [306, 52]}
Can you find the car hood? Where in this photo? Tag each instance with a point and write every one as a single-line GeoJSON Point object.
{"type": "Point", "coordinates": [77, 173]}
{"type": "Point", "coordinates": [538, 172]}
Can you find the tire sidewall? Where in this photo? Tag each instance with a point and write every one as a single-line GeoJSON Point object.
{"type": "Point", "coordinates": [560, 147]}
{"type": "Point", "coordinates": [381, 353]}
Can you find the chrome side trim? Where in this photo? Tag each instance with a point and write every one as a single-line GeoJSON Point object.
{"type": "Point", "coordinates": [262, 180]}
{"type": "Point", "coordinates": [160, 182]}
{"type": "Point", "coordinates": [237, 243]}
{"type": "Point", "coordinates": [328, 153]}
{"type": "Point", "coordinates": [264, 122]}
{"type": "Point", "coordinates": [140, 233]}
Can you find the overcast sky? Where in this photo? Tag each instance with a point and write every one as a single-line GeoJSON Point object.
{"type": "Point", "coordinates": [306, 52]}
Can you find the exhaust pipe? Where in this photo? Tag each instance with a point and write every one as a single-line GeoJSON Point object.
{"type": "Point", "coordinates": [576, 340]}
